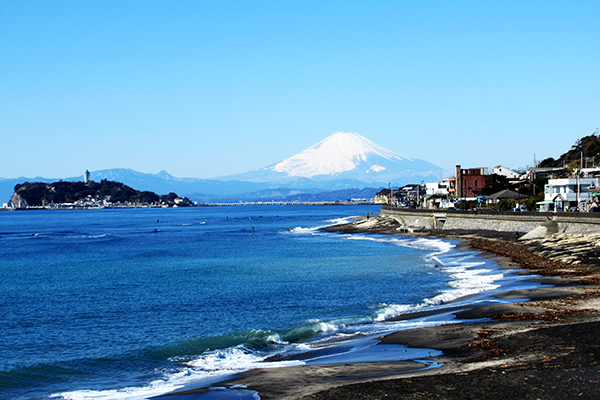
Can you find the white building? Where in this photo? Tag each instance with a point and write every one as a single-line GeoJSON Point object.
{"type": "Point", "coordinates": [504, 171]}
{"type": "Point", "coordinates": [441, 190]}
{"type": "Point", "coordinates": [569, 194]}
{"type": "Point", "coordinates": [591, 172]}
{"type": "Point", "coordinates": [438, 188]}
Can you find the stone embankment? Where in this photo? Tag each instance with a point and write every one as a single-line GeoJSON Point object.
{"type": "Point", "coordinates": [533, 223]}
{"type": "Point", "coordinates": [572, 238]}
{"type": "Point", "coordinates": [568, 248]}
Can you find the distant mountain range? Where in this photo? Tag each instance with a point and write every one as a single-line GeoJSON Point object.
{"type": "Point", "coordinates": [342, 166]}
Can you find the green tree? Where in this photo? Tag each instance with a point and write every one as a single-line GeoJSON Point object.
{"type": "Point", "coordinates": [38, 193]}
{"type": "Point", "coordinates": [146, 197]}
{"type": "Point", "coordinates": [588, 145]}
{"type": "Point", "coordinates": [534, 188]}
{"type": "Point", "coordinates": [169, 198]}
{"type": "Point", "coordinates": [495, 184]}
{"type": "Point", "coordinates": [507, 204]}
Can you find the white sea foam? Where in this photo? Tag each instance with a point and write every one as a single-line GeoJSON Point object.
{"type": "Point", "coordinates": [391, 310]}
{"type": "Point", "coordinates": [209, 368]}
{"type": "Point", "coordinates": [435, 259]}
{"type": "Point", "coordinates": [338, 221]}
{"type": "Point", "coordinates": [437, 246]}
{"type": "Point", "coordinates": [89, 236]}
{"type": "Point", "coordinates": [130, 393]}
{"type": "Point", "coordinates": [467, 274]}
{"type": "Point", "coordinates": [467, 278]}
{"type": "Point", "coordinates": [299, 229]}
{"type": "Point", "coordinates": [315, 229]}
{"type": "Point", "coordinates": [170, 383]}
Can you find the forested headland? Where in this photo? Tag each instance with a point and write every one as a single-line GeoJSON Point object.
{"type": "Point", "coordinates": [103, 193]}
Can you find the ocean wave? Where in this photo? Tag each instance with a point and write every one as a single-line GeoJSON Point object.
{"type": "Point", "coordinates": [301, 230]}
{"type": "Point", "coordinates": [181, 352]}
{"type": "Point", "coordinates": [101, 236]}
{"type": "Point", "coordinates": [388, 311]}
{"type": "Point", "coordinates": [467, 278]}
{"type": "Point", "coordinates": [467, 275]}
{"type": "Point", "coordinates": [317, 329]}
{"type": "Point", "coordinates": [55, 236]}
{"type": "Point", "coordinates": [21, 236]}
{"type": "Point", "coordinates": [171, 382]}
{"type": "Point", "coordinates": [129, 393]}
{"type": "Point", "coordinates": [236, 359]}
{"type": "Point", "coordinates": [209, 367]}
{"type": "Point", "coordinates": [256, 348]}
{"type": "Point", "coordinates": [339, 221]}
{"type": "Point", "coordinates": [437, 246]}
{"type": "Point", "coordinates": [315, 229]}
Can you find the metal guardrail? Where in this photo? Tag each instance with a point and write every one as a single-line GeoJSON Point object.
{"type": "Point", "coordinates": [488, 211]}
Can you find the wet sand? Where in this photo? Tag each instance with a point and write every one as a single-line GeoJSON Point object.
{"type": "Point", "coordinates": [544, 348]}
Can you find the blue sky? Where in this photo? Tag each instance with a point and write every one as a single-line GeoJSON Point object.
{"type": "Point", "coordinates": [202, 89]}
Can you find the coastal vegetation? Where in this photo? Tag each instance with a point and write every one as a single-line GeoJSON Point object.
{"type": "Point", "coordinates": [585, 150]}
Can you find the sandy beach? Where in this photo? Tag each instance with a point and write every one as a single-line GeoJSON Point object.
{"type": "Point", "coordinates": [544, 346]}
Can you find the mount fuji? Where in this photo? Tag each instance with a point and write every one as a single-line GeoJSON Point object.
{"type": "Point", "coordinates": [343, 165]}
{"type": "Point", "coordinates": [345, 158]}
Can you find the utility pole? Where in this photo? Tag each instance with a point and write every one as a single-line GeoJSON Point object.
{"type": "Point", "coordinates": [533, 173]}
{"type": "Point", "coordinates": [418, 195]}
{"type": "Point", "coordinates": [577, 175]}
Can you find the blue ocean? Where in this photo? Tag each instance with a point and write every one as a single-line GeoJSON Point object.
{"type": "Point", "coordinates": [134, 303]}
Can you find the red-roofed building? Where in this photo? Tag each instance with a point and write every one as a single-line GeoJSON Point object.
{"type": "Point", "coordinates": [469, 182]}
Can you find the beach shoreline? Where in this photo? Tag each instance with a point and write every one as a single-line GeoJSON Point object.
{"type": "Point", "coordinates": [541, 346]}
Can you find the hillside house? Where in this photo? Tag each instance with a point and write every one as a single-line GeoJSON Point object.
{"type": "Point", "coordinates": [469, 182]}
{"type": "Point", "coordinates": [507, 172]}
{"type": "Point", "coordinates": [182, 201]}
{"type": "Point", "coordinates": [440, 188]}
{"type": "Point", "coordinates": [569, 194]}
{"type": "Point", "coordinates": [438, 194]}
{"type": "Point", "coordinates": [452, 186]}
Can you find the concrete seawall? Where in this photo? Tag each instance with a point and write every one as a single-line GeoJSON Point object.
{"type": "Point", "coordinates": [546, 223]}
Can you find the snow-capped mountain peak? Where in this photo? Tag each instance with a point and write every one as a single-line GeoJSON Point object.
{"type": "Point", "coordinates": [345, 159]}
{"type": "Point", "coordinates": [338, 153]}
